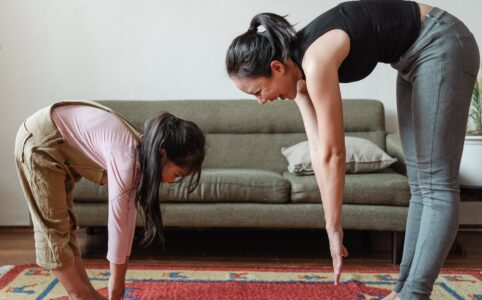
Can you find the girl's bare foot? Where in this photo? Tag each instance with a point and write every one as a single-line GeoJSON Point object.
{"type": "Point", "coordinates": [99, 296]}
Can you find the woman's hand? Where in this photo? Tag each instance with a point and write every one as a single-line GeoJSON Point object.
{"type": "Point", "coordinates": [305, 105]}
{"type": "Point", "coordinates": [301, 89]}
{"type": "Point", "coordinates": [116, 288]}
{"type": "Point", "coordinates": [311, 122]}
{"type": "Point", "coordinates": [337, 249]}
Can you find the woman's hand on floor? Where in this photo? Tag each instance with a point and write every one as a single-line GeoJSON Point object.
{"type": "Point", "coordinates": [337, 250]}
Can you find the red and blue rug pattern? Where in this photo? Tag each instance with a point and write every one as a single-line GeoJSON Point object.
{"type": "Point", "coordinates": [158, 282]}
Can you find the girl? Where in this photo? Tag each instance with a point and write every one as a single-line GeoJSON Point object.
{"type": "Point", "coordinates": [437, 61]}
{"type": "Point", "coordinates": [61, 143]}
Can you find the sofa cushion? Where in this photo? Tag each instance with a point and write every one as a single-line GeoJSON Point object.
{"type": "Point", "coordinates": [233, 185]}
{"type": "Point", "coordinates": [248, 151]}
{"type": "Point", "coordinates": [384, 188]}
{"type": "Point", "coordinates": [247, 116]}
{"type": "Point", "coordinates": [245, 135]}
{"type": "Point", "coordinates": [87, 191]}
{"type": "Point", "coordinates": [259, 215]}
{"type": "Point", "coordinates": [216, 185]}
{"type": "Point", "coordinates": [362, 156]}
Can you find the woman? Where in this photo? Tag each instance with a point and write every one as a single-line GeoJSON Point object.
{"type": "Point", "coordinates": [437, 61]}
{"type": "Point", "coordinates": [61, 143]}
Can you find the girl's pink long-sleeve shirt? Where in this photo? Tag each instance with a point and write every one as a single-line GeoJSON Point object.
{"type": "Point", "coordinates": [103, 138]}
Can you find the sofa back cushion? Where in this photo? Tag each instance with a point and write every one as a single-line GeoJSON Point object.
{"type": "Point", "coordinates": [245, 134]}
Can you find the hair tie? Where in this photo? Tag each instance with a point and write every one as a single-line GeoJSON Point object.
{"type": "Point", "coordinates": [171, 121]}
{"type": "Point", "coordinates": [253, 29]}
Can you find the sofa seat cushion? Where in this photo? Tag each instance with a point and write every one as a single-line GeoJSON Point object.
{"type": "Point", "coordinates": [383, 188]}
{"type": "Point", "coordinates": [87, 191]}
{"type": "Point", "coordinates": [233, 185]}
{"type": "Point", "coordinates": [216, 185]}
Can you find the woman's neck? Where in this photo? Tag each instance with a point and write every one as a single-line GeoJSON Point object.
{"type": "Point", "coordinates": [295, 69]}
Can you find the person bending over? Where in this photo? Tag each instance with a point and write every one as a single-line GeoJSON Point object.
{"type": "Point", "coordinates": [61, 143]}
{"type": "Point", "coordinates": [437, 60]}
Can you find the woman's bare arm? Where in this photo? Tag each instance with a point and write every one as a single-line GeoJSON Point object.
{"type": "Point", "coordinates": [324, 119]}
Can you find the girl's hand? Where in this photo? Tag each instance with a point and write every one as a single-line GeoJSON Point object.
{"type": "Point", "coordinates": [337, 250]}
{"type": "Point", "coordinates": [117, 280]}
{"type": "Point", "coordinates": [301, 89]}
{"type": "Point", "coordinates": [116, 288]}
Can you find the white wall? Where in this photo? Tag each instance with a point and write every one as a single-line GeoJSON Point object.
{"type": "Point", "coordinates": [151, 49]}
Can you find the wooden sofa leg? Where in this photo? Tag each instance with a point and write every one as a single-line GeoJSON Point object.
{"type": "Point", "coordinates": [397, 247]}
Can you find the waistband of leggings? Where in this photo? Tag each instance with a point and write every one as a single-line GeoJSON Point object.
{"type": "Point", "coordinates": [435, 13]}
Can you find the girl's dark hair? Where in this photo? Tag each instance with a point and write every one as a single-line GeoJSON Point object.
{"type": "Point", "coordinates": [184, 143]}
{"type": "Point", "coordinates": [251, 53]}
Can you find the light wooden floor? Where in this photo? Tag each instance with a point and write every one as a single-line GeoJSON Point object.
{"type": "Point", "coordinates": [245, 248]}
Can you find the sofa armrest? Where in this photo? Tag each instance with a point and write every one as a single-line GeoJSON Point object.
{"type": "Point", "coordinates": [394, 149]}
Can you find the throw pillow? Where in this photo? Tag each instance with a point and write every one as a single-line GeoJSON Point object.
{"type": "Point", "coordinates": [362, 156]}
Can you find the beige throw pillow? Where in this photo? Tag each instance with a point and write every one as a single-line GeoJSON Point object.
{"type": "Point", "coordinates": [362, 156]}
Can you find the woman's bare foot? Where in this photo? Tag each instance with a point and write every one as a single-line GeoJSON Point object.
{"type": "Point", "coordinates": [392, 296]}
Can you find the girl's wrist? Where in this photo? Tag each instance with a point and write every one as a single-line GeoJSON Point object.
{"type": "Point", "coordinates": [117, 278]}
{"type": "Point", "coordinates": [118, 272]}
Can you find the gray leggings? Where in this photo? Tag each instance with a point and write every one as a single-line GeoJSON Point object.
{"type": "Point", "coordinates": [436, 76]}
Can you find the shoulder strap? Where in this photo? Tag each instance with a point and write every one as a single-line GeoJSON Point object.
{"type": "Point", "coordinates": [126, 123]}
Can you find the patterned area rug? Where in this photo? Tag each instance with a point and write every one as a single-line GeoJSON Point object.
{"type": "Point", "coordinates": [153, 282]}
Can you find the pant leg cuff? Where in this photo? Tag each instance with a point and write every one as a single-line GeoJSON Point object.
{"type": "Point", "coordinates": [407, 294]}
{"type": "Point", "coordinates": [398, 287]}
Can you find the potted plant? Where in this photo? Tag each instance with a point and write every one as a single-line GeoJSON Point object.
{"type": "Point", "coordinates": [471, 165]}
{"type": "Point", "coordinates": [475, 113]}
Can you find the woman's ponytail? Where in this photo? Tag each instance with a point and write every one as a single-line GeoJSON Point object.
{"type": "Point", "coordinates": [278, 30]}
{"type": "Point", "coordinates": [251, 53]}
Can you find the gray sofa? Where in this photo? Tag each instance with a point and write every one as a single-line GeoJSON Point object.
{"type": "Point", "coordinates": [245, 182]}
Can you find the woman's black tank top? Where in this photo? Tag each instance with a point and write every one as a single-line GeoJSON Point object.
{"type": "Point", "coordinates": [379, 31]}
